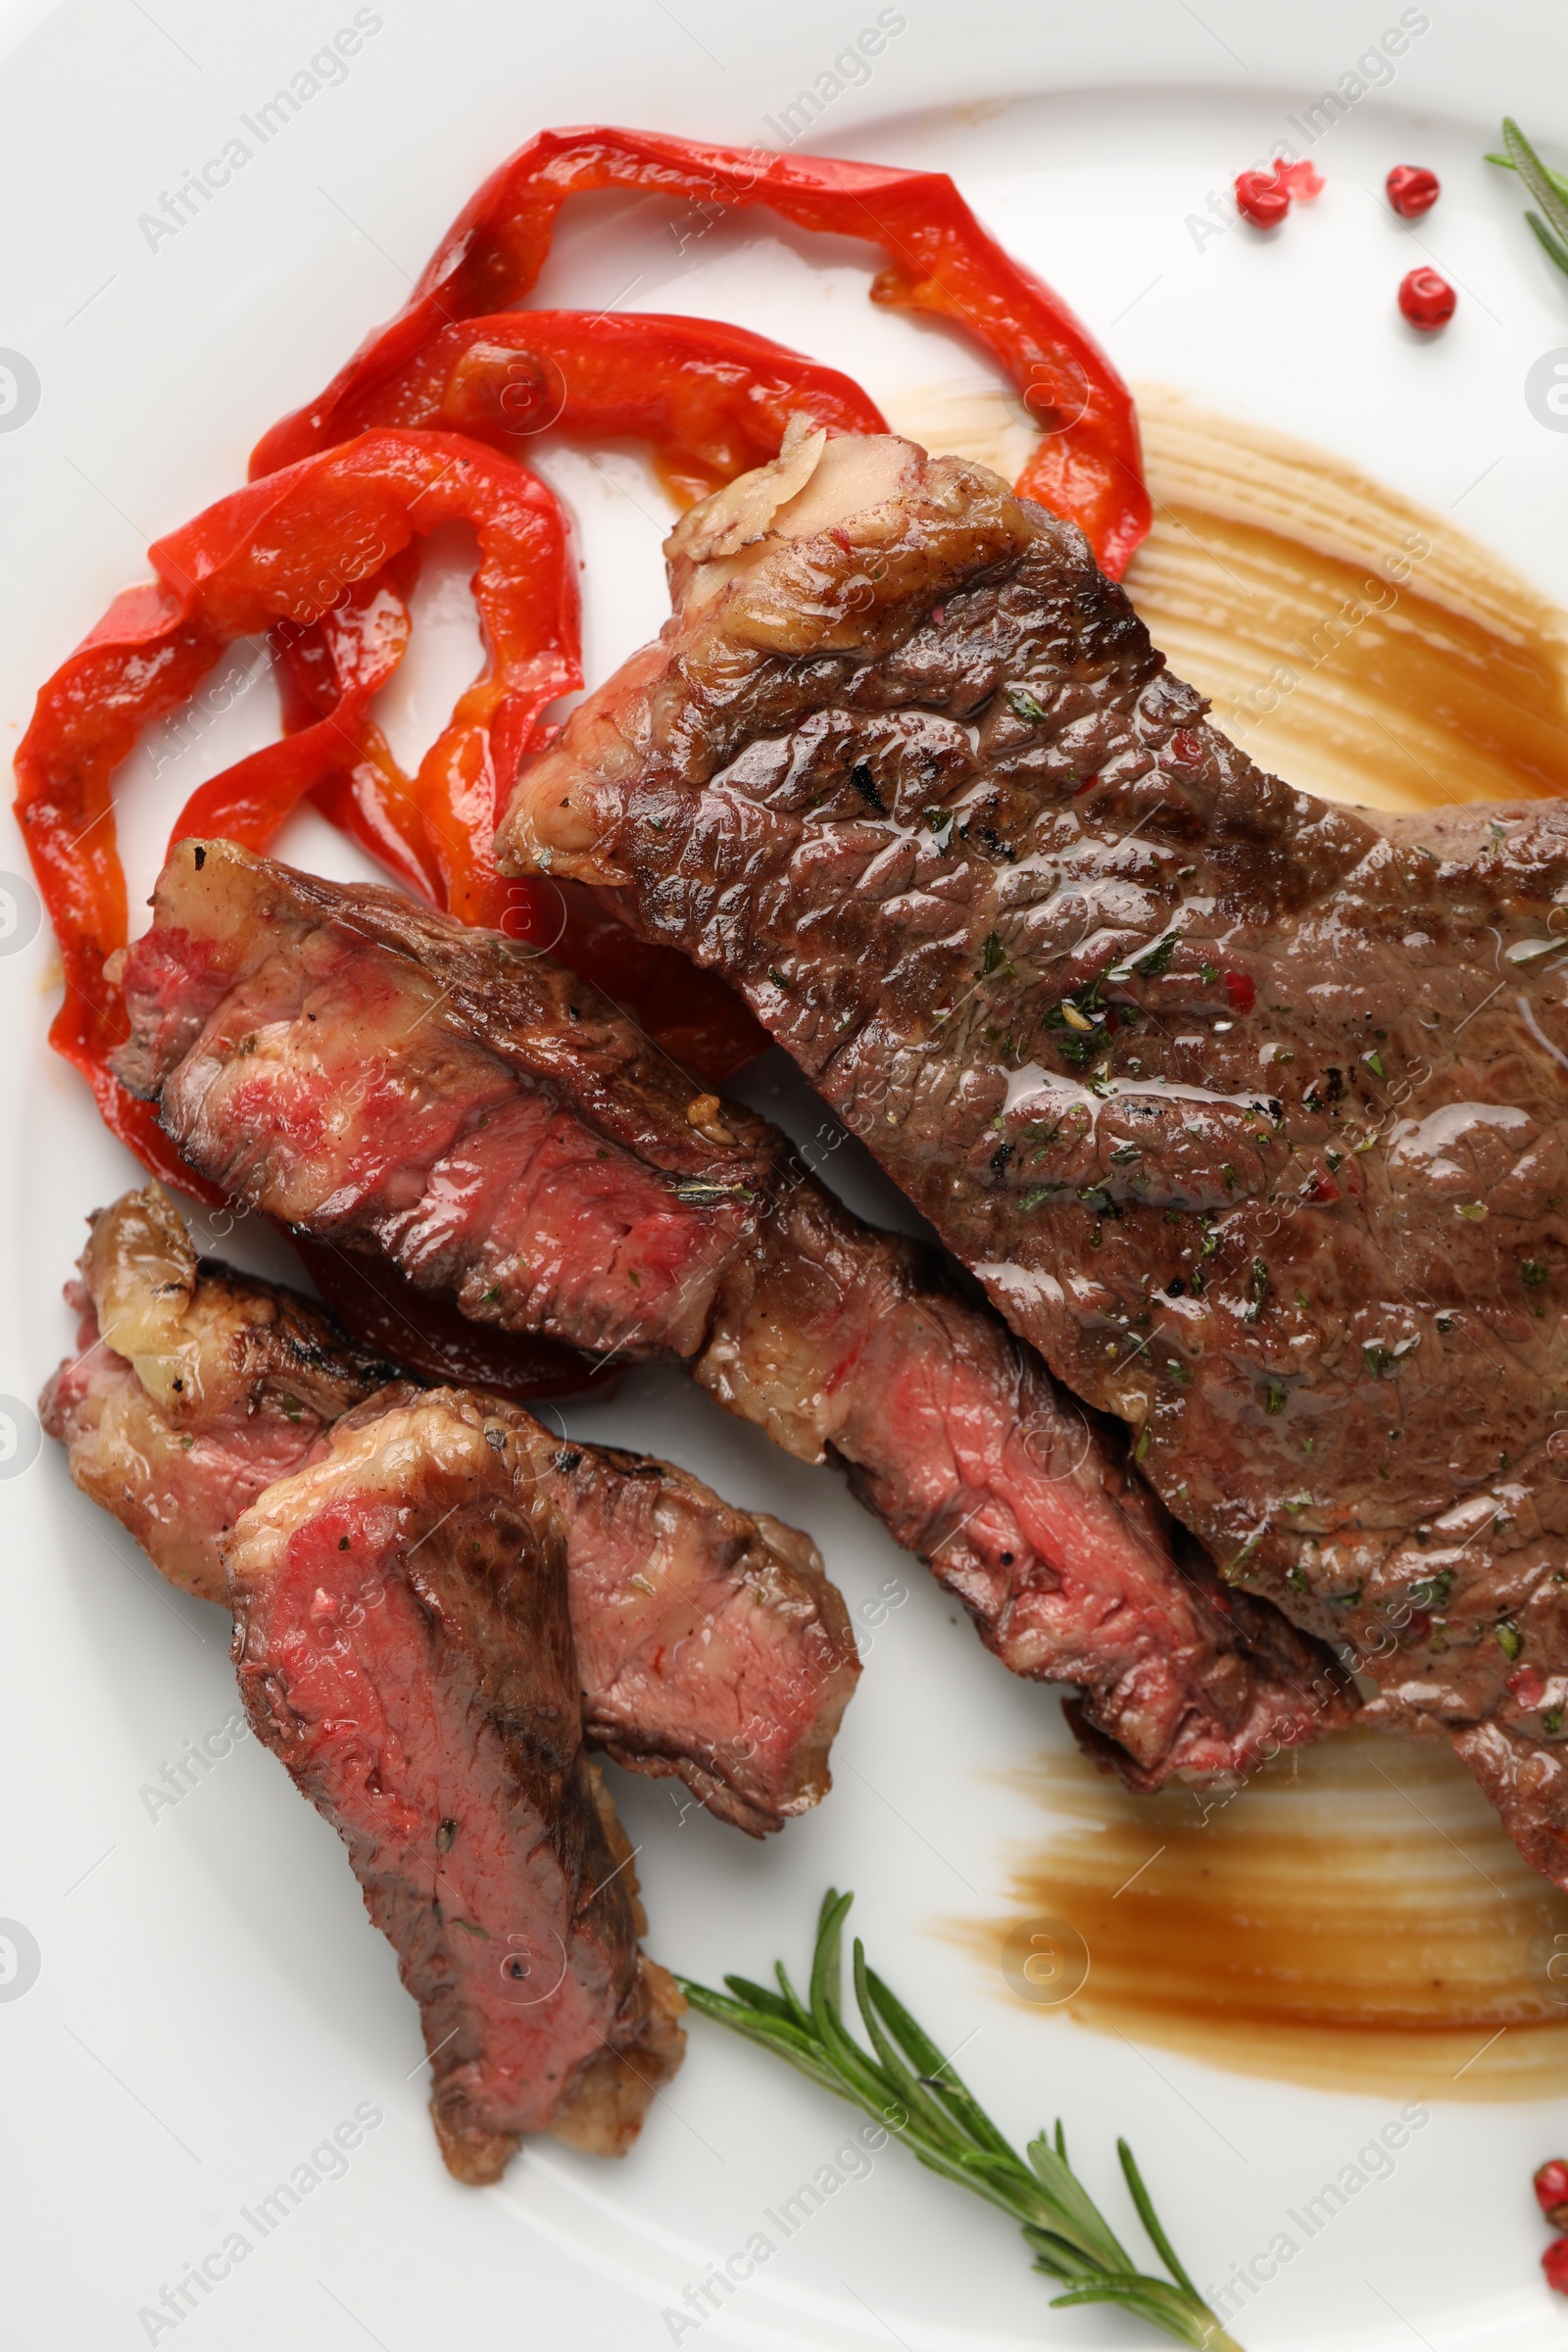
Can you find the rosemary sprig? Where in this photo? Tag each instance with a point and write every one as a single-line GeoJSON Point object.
{"type": "Point", "coordinates": [1548, 189]}
{"type": "Point", "coordinates": [909, 2086]}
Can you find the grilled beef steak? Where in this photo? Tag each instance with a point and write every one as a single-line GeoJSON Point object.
{"type": "Point", "coordinates": [404, 1646]}
{"type": "Point", "coordinates": [1250, 1112]}
{"type": "Point", "coordinates": [709, 1643]}
{"type": "Point", "coordinates": [386, 1078]}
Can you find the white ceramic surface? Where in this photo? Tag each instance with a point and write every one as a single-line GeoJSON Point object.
{"type": "Point", "coordinates": [210, 2000]}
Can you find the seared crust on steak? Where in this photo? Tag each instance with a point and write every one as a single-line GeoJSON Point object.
{"type": "Point", "coordinates": [385, 1076]}
{"type": "Point", "coordinates": [193, 1387]}
{"type": "Point", "coordinates": [709, 1641]}
{"type": "Point", "coordinates": [1250, 1112]}
{"type": "Point", "coordinates": [404, 1646]}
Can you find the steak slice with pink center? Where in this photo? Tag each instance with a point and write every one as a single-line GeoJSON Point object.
{"type": "Point", "coordinates": [403, 1647]}
{"type": "Point", "coordinates": [380, 1076]}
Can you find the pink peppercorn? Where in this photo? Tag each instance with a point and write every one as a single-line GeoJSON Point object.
{"type": "Point", "coordinates": [1412, 190]}
{"type": "Point", "coordinates": [1261, 199]}
{"type": "Point", "coordinates": [1427, 300]}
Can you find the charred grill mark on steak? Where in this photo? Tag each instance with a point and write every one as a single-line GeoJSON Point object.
{"type": "Point", "coordinates": [1284, 1087]}
{"type": "Point", "coordinates": [709, 1641]}
{"type": "Point", "coordinates": [370, 1123]}
{"type": "Point", "coordinates": [404, 1646]}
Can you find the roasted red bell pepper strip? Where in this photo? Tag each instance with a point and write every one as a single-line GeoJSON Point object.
{"type": "Point", "coordinates": [289, 548]}
{"type": "Point", "coordinates": [940, 260]}
{"type": "Point", "coordinates": [526, 600]}
{"type": "Point", "coordinates": [364, 640]}
{"type": "Point", "coordinates": [712, 399]}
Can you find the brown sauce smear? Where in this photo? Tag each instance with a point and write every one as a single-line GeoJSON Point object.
{"type": "Point", "coordinates": [1353, 1917]}
{"type": "Point", "coordinates": [1349, 639]}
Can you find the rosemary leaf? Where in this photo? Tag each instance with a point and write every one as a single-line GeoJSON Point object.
{"type": "Point", "coordinates": [757, 1996]}
{"type": "Point", "coordinates": [1536, 178]}
{"type": "Point", "coordinates": [904, 2083]}
{"type": "Point", "coordinates": [1548, 189]}
{"type": "Point", "coordinates": [1558, 180]}
{"type": "Point", "coordinates": [936, 2070]}
{"type": "Point", "coordinates": [1150, 2220]}
{"type": "Point", "coordinates": [1553, 247]}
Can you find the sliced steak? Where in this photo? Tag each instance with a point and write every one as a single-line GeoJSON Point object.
{"type": "Point", "coordinates": [1250, 1112]}
{"type": "Point", "coordinates": [381, 1075]}
{"type": "Point", "coordinates": [709, 1641]}
{"type": "Point", "coordinates": [384, 1076]}
{"type": "Point", "coordinates": [193, 1387]}
{"type": "Point", "coordinates": [847, 1343]}
{"type": "Point", "coordinates": [404, 1646]}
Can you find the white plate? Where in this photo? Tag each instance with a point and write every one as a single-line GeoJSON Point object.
{"type": "Point", "coordinates": [210, 2000]}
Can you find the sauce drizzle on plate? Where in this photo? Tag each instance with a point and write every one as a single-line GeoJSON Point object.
{"type": "Point", "coordinates": [1353, 1917]}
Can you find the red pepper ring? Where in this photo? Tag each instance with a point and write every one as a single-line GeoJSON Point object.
{"type": "Point", "coordinates": [287, 548]}
{"type": "Point", "coordinates": [1089, 467]}
{"type": "Point", "coordinates": [525, 591]}
{"type": "Point", "coordinates": [364, 638]}
{"type": "Point", "coordinates": [360, 788]}
{"type": "Point", "coordinates": [712, 399]}
{"type": "Point", "coordinates": [363, 790]}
